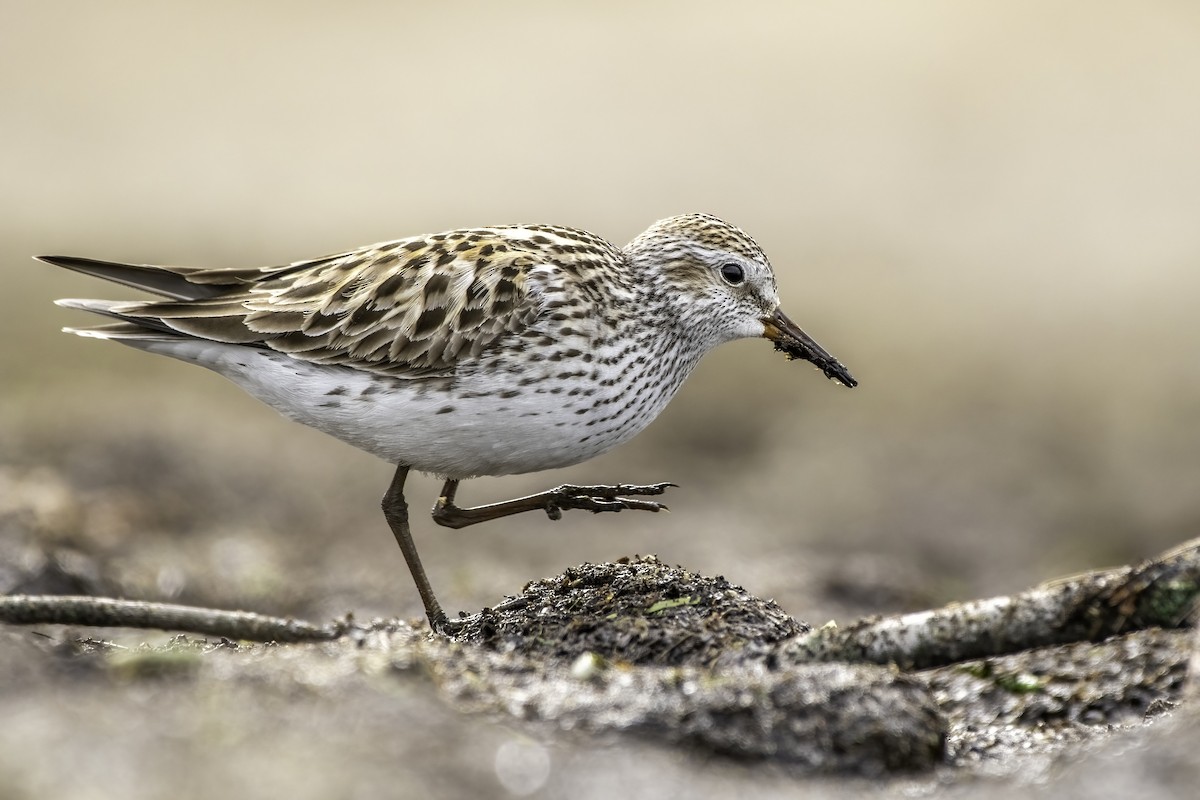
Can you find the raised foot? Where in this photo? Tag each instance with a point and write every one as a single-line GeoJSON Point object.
{"type": "Point", "coordinates": [598, 499]}
{"type": "Point", "coordinates": [588, 498]}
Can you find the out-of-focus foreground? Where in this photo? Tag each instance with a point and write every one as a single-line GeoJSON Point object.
{"type": "Point", "coordinates": [987, 211]}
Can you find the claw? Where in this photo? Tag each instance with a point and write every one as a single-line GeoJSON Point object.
{"type": "Point", "coordinates": [645, 505]}
{"type": "Point", "coordinates": [584, 498]}
{"type": "Point", "coordinates": [613, 492]}
{"type": "Point", "coordinates": [444, 626]}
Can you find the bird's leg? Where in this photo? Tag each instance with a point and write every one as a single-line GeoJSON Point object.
{"type": "Point", "coordinates": [553, 502]}
{"type": "Point", "coordinates": [395, 510]}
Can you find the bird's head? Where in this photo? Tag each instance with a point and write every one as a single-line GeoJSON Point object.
{"type": "Point", "coordinates": [717, 285]}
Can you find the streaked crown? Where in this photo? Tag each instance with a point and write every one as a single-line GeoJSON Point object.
{"type": "Point", "coordinates": [710, 275]}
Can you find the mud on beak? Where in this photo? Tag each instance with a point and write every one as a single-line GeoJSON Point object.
{"type": "Point", "coordinates": [795, 343]}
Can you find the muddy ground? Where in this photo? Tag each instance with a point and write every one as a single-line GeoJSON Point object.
{"type": "Point", "coordinates": [687, 682]}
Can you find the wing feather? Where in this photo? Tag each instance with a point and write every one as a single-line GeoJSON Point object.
{"type": "Point", "coordinates": [410, 308]}
{"type": "Point", "coordinates": [415, 307]}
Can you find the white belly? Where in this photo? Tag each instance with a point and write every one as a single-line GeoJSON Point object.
{"type": "Point", "coordinates": [481, 424]}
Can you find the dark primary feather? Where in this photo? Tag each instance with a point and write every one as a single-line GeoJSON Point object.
{"type": "Point", "coordinates": [165, 281]}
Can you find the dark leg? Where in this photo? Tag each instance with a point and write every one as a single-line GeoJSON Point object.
{"type": "Point", "coordinates": [553, 502]}
{"type": "Point", "coordinates": [395, 510]}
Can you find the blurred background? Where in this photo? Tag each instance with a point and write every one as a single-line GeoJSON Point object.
{"type": "Point", "coordinates": [988, 211]}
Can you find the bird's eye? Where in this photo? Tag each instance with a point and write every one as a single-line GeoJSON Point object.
{"type": "Point", "coordinates": [733, 273]}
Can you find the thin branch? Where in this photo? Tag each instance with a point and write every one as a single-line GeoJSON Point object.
{"type": "Point", "coordinates": [1162, 592]}
{"type": "Point", "coordinates": [110, 613]}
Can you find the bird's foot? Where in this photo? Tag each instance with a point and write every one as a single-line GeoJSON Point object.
{"type": "Point", "coordinates": [588, 498]}
{"type": "Point", "coordinates": [477, 623]}
{"type": "Point", "coordinates": [444, 626]}
{"type": "Point", "coordinates": [598, 499]}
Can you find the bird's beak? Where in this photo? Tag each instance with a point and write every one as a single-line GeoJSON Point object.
{"type": "Point", "coordinates": [795, 343]}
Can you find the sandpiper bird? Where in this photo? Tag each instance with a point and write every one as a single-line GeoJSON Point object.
{"type": "Point", "coordinates": [484, 351]}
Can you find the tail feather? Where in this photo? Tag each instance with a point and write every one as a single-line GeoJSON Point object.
{"type": "Point", "coordinates": [179, 283]}
{"type": "Point", "coordinates": [201, 304]}
{"type": "Point", "coordinates": [128, 327]}
{"type": "Point", "coordinates": [125, 332]}
{"type": "Point", "coordinates": [109, 308]}
{"type": "Point", "coordinates": [174, 282]}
